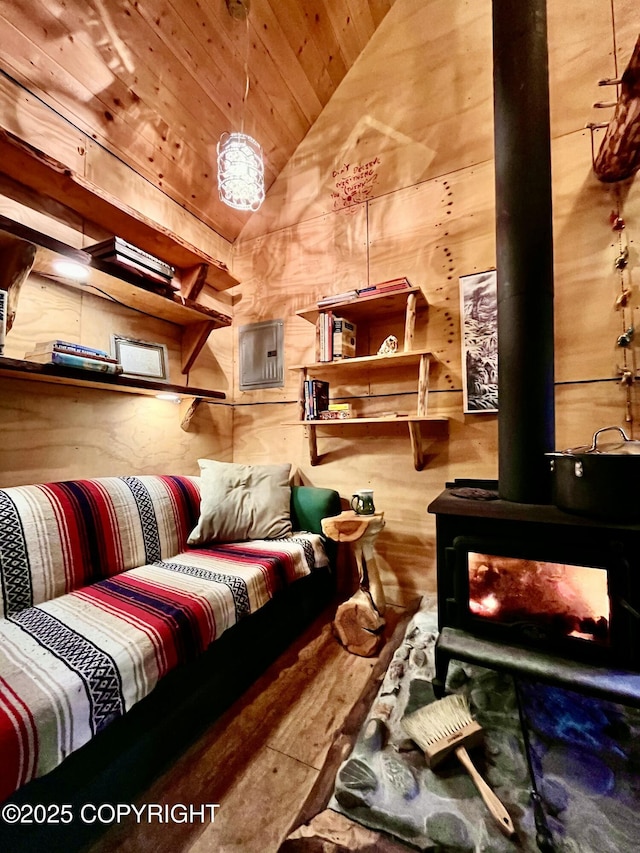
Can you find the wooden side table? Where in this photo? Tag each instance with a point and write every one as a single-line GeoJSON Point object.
{"type": "Point", "coordinates": [359, 621]}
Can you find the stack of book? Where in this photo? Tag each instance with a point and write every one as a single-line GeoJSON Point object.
{"type": "Point", "coordinates": [336, 337]}
{"type": "Point", "coordinates": [389, 286]}
{"type": "Point", "coordinates": [139, 263]}
{"type": "Point", "coordinates": [336, 412]}
{"type": "Point", "coordinates": [316, 398]}
{"type": "Point", "coordinates": [68, 354]}
{"type": "Point", "coordinates": [324, 336]}
{"type": "Point", "coordinates": [337, 299]}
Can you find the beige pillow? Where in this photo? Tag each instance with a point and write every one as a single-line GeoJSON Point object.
{"type": "Point", "coordinates": [239, 502]}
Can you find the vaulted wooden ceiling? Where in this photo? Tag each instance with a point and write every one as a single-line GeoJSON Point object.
{"type": "Point", "coordinates": [157, 82]}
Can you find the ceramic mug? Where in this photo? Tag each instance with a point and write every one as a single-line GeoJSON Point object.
{"type": "Point", "coordinates": [362, 502]}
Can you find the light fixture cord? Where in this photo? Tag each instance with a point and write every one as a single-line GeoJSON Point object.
{"type": "Point", "coordinates": [246, 74]}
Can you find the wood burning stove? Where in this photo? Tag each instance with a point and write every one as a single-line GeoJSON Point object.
{"type": "Point", "coordinates": [532, 589]}
{"type": "Point", "coordinates": [522, 585]}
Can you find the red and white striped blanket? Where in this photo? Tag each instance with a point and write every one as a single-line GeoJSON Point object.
{"type": "Point", "coordinates": [87, 633]}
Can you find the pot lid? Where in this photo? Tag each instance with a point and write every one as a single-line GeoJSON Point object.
{"type": "Point", "coordinates": [611, 446]}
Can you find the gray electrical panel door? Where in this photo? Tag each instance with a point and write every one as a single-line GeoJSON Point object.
{"type": "Point", "coordinates": [261, 355]}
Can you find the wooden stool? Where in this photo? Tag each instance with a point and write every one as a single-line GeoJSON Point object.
{"type": "Point", "coordinates": [359, 621]}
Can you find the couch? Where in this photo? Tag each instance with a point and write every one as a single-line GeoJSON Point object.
{"type": "Point", "coordinates": [119, 641]}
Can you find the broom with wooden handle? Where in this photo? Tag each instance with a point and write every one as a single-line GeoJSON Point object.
{"type": "Point", "coordinates": [447, 726]}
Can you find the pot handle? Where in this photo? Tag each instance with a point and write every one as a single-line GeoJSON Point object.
{"type": "Point", "coordinates": [594, 445]}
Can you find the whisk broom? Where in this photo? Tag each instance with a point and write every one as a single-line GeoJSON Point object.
{"type": "Point", "coordinates": [447, 726]}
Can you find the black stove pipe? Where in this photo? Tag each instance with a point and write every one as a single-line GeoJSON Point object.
{"type": "Point", "coordinates": [524, 249]}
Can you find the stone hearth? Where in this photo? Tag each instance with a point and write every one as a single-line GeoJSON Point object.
{"type": "Point", "coordinates": [585, 754]}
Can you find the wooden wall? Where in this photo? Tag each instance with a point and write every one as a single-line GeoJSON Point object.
{"type": "Point", "coordinates": [396, 178]}
{"type": "Point", "coordinates": [51, 432]}
{"type": "Point", "coordinates": [158, 83]}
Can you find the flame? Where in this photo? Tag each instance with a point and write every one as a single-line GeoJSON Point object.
{"type": "Point", "coordinates": [568, 600]}
{"type": "Point", "coordinates": [487, 606]}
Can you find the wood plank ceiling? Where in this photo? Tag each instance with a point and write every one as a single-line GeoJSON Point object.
{"type": "Point", "coordinates": [157, 82]}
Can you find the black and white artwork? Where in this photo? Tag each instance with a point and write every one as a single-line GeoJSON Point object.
{"type": "Point", "coordinates": [479, 315]}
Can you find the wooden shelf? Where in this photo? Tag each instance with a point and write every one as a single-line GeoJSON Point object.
{"type": "Point", "coordinates": [368, 308]}
{"type": "Point", "coordinates": [12, 368]}
{"type": "Point", "coordinates": [197, 321]}
{"type": "Point", "coordinates": [396, 419]}
{"type": "Point", "coordinates": [404, 304]}
{"type": "Point", "coordinates": [417, 425]}
{"type": "Point", "coordinates": [182, 312]}
{"type": "Point", "coordinates": [35, 169]}
{"type": "Point", "coordinates": [395, 359]}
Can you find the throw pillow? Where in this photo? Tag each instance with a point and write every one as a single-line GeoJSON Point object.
{"type": "Point", "coordinates": [240, 502]}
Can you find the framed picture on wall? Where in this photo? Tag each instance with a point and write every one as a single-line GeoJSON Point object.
{"type": "Point", "coordinates": [141, 359]}
{"type": "Point", "coordinates": [479, 318]}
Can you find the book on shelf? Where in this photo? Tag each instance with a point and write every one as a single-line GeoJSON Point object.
{"type": "Point", "coordinates": [144, 270]}
{"type": "Point", "coordinates": [337, 299]}
{"type": "Point", "coordinates": [70, 347]}
{"type": "Point", "coordinates": [325, 336]}
{"type": "Point", "coordinates": [316, 398]}
{"type": "Point", "coordinates": [344, 338]}
{"type": "Point", "coordinates": [79, 362]}
{"type": "Point", "coordinates": [335, 416]}
{"type": "Point", "coordinates": [389, 286]}
{"type": "Point", "coordinates": [117, 247]}
{"type": "Point", "coordinates": [4, 298]}
{"type": "Point", "coordinates": [336, 412]}
{"type": "Point", "coordinates": [137, 269]}
{"type": "Point", "coordinates": [141, 277]}
{"type": "Point", "coordinates": [335, 337]}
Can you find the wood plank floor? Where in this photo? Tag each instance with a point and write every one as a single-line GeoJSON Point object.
{"type": "Point", "coordinates": [261, 759]}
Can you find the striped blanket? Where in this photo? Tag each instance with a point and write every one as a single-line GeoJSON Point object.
{"type": "Point", "coordinates": [72, 663]}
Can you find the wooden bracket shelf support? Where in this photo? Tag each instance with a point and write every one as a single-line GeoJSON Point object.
{"type": "Point", "coordinates": [415, 434]}
{"type": "Point", "coordinates": [188, 410]}
{"type": "Point", "coordinates": [437, 426]}
{"type": "Point", "coordinates": [312, 438]}
{"type": "Point", "coordinates": [194, 337]}
{"type": "Point", "coordinates": [193, 280]}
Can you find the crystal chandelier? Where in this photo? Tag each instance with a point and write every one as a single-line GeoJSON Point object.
{"type": "Point", "coordinates": [240, 164]}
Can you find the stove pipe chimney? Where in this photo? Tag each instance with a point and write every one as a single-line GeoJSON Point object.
{"type": "Point", "coordinates": [524, 249]}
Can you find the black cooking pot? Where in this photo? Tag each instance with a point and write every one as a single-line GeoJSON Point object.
{"type": "Point", "coordinates": [602, 480]}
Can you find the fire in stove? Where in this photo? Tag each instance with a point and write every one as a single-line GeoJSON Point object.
{"type": "Point", "coordinates": [557, 600]}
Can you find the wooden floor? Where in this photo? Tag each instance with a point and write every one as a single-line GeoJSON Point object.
{"type": "Point", "coordinates": [261, 759]}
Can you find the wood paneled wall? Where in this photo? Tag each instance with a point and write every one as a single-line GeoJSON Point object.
{"type": "Point", "coordinates": [50, 432]}
{"type": "Point", "coordinates": [54, 432]}
{"type": "Point", "coordinates": [396, 178]}
{"type": "Point", "coordinates": [41, 126]}
{"type": "Point", "coordinates": [157, 83]}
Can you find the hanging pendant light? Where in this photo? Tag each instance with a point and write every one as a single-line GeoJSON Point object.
{"type": "Point", "coordinates": [240, 171]}
{"type": "Point", "coordinates": [240, 164]}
